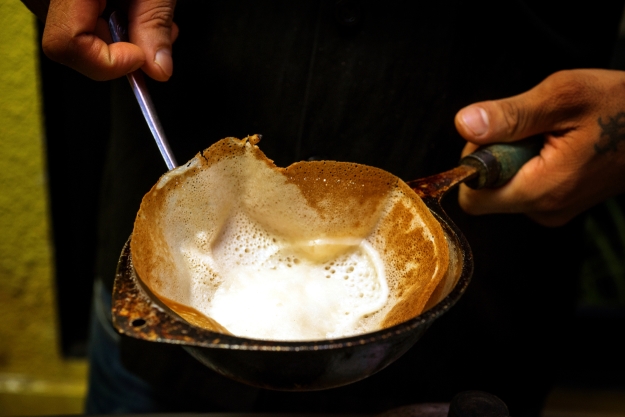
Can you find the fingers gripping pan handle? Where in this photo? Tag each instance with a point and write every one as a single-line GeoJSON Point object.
{"type": "Point", "coordinates": [497, 164]}
{"type": "Point", "coordinates": [489, 167]}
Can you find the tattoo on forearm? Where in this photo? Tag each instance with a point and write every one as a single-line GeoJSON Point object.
{"type": "Point", "coordinates": [612, 133]}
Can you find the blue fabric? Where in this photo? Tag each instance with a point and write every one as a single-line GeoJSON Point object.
{"type": "Point", "coordinates": [112, 388]}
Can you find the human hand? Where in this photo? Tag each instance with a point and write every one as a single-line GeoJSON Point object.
{"type": "Point", "coordinates": [581, 114]}
{"type": "Point", "coordinates": [76, 35]}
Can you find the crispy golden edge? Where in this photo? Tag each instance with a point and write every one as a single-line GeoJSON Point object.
{"type": "Point", "coordinates": [150, 251]}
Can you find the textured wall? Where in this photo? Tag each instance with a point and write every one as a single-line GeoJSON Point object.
{"type": "Point", "coordinates": [29, 351]}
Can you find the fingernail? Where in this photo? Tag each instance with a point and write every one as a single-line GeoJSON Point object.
{"type": "Point", "coordinates": [476, 119]}
{"type": "Point", "coordinates": [163, 60]}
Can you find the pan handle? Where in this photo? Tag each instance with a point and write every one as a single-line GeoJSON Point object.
{"type": "Point", "coordinates": [497, 163]}
{"type": "Point", "coordinates": [489, 167]}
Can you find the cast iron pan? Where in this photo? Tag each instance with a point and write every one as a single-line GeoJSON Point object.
{"type": "Point", "coordinates": [322, 364]}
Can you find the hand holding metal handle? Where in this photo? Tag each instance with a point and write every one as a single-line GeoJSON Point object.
{"type": "Point", "coordinates": [490, 166]}
{"type": "Point", "coordinates": [496, 164]}
{"type": "Point", "coordinates": [117, 26]}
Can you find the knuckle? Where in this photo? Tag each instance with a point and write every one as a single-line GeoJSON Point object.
{"type": "Point", "coordinates": [515, 118]}
{"type": "Point", "coordinates": [549, 193]}
{"type": "Point", "coordinates": [78, 55]}
{"type": "Point", "coordinates": [56, 42]}
{"type": "Point", "coordinates": [159, 14]}
{"type": "Point", "coordinates": [570, 90]}
{"type": "Point", "coordinates": [556, 200]}
{"type": "Point", "coordinates": [549, 203]}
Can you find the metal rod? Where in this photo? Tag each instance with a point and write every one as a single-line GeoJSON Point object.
{"type": "Point", "coordinates": [137, 82]}
{"type": "Point", "coordinates": [117, 27]}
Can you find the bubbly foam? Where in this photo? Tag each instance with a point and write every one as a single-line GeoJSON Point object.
{"type": "Point", "coordinates": [316, 250]}
{"type": "Point", "coordinates": [323, 288]}
{"type": "Point", "coordinates": [289, 298]}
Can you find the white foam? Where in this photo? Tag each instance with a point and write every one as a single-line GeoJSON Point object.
{"type": "Point", "coordinates": [264, 288]}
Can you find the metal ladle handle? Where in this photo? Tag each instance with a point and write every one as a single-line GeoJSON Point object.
{"type": "Point", "coordinates": [117, 26]}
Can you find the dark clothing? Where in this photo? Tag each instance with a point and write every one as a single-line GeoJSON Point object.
{"type": "Point", "coordinates": [376, 83]}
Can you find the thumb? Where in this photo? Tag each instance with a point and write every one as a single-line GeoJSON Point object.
{"type": "Point", "coordinates": [151, 27]}
{"type": "Point", "coordinates": [545, 108]}
{"type": "Point", "coordinates": [500, 120]}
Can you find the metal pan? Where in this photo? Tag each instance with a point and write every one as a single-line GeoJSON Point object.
{"type": "Point", "coordinates": [325, 363]}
